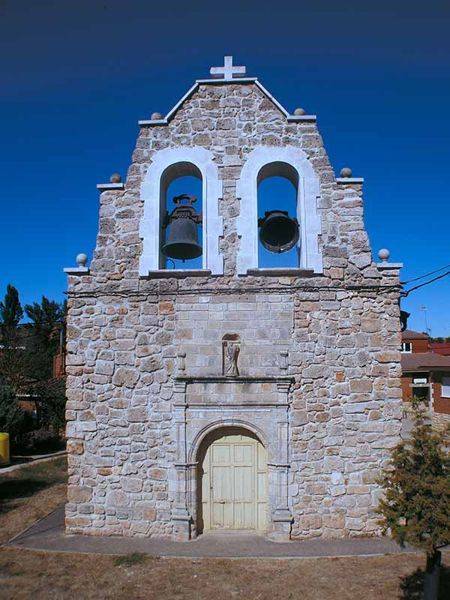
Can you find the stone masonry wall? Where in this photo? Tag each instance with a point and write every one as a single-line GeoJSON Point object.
{"type": "Point", "coordinates": [341, 330]}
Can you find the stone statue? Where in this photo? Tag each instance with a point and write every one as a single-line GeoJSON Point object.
{"type": "Point", "coordinates": [231, 355]}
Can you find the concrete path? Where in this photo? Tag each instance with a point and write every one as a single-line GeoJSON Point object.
{"type": "Point", "coordinates": [48, 534]}
{"type": "Point", "coordinates": [34, 459]}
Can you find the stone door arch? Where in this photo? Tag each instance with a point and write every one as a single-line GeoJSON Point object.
{"type": "Point", "coordinates": [206, 406]}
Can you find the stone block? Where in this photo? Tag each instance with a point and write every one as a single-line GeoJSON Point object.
{"type": "Point", "coordinates": [132, 484]}
{"type": "Point", "coordinates": [75, 447]}
{"type": "Point", "coordinates": [104, 367]}
{"type": "Point", "coordinates": [166, 308]}
{"type": "Point", "coordinates": [361, 385]}
{"type": "Point", "coordinates": [157, 473]}
{"type": "Point", "coordinates": [137, 415]}
{"type": "Point", "coordinates": [125, 377]}
{"type": "Point", "coordinates": [116, 498]}
{"type": "Point", "coordinates": [149, 365]}
{"type": "Point", "coordinates": [79, 493]}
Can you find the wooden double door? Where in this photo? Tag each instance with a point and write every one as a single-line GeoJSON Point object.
{"type": "Point", "coordinates": [234, 484]}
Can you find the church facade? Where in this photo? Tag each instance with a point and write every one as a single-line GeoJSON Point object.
{"type": "Point", "coordinates": [231, 391]}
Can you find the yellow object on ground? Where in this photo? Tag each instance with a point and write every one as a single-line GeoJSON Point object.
{"type": "Point", "coordinates": [4, 448]}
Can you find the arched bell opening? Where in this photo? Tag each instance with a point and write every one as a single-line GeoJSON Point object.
{"type": "Point", "coordinates": [181, 233]}
{"type": "Point", "coordinates": [232, 481]}
{"type": "Point", "coordinates": [278, 227]}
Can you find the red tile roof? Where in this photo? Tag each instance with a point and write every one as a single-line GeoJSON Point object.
{"type": "Point", "coordinates": [424, 361]}
{"type": "Point", "coordinates": [441, 348]}
{"type": "Point", "coordinates": [409, 334]}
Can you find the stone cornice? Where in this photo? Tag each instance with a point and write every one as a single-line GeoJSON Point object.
{"type": "Point", "coordinates": [103, 187]}
{"type": "Point", "coordinates": [386, 266]}
{"type": "Point", "coordinates": [282, 272]}
{"type": "Point", "coordinates": [350, 180]}
{"type": "Point", "coordinates": [292, 288]}
{"type": "Point", "coordinates": [77, 270]}
{"type": "Point", "coordinates": [239, 379]}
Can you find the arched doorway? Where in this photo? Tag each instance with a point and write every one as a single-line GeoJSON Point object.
{"type": "Point", "coordinates": [232, 482]}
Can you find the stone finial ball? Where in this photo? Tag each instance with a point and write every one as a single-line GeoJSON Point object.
{"type": "Point", "coordinates": [346, 172]}
{"type": "Point", "coordinates": [298, 112]}
{"type": "Point", "coordinates": [81, 259]}
{"type": "Point", "coordinates": [115, 178]}
{"type": "Point", "coordinates": [384, 254]}
{"type": "Point", "coordinates": [156, 116]}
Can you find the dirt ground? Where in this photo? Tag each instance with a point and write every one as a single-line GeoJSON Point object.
{"type": "Point", "coordinates": [33, 492]}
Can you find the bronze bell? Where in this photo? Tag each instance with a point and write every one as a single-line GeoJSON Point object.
{"type": "Point", "coordinates": [278, 231]}
{"type": "Point", "coordinates": [182, 239]}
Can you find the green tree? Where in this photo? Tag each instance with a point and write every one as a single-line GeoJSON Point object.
{"type": "Point", "coordinates": [12, 355]}
{"type": "Point", "coordinates": [11, 415]}
{"type": "Point", "coordinates": [11, 313]}
{"type": "Point", "coordinates": [47, 322]}
{"type": "Point", "coordinates": [416, 506]}
{"type": "Point", "coordinates": [51, 403]}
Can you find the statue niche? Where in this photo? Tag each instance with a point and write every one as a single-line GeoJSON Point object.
{"type": "Point", "coordinates": [231, 347]}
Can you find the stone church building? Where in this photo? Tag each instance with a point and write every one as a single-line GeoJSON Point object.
{"type": "Point", "coordinates": [233, 360]}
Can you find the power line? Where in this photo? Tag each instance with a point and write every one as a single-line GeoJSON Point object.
{"type": "Point", "coordinates": [416, 287]}
{"type": "Point", "coordinates": [426, 275]}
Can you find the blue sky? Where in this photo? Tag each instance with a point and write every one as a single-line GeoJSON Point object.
{"type": "Point", "coordinates": [77, 76]}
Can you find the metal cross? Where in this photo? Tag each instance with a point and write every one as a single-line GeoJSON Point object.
{"type": "Point", "coordinates": [228, 71]}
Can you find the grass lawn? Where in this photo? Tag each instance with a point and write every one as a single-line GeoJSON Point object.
{"type": "Point", "coordinates": [30, 493]}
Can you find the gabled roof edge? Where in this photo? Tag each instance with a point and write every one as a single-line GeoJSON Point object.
{"type": "Point", "coordinates": [193, 88]}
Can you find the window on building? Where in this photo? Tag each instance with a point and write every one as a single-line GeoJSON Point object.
{"type": "Point", "coordinates": [445, 392]}
{"type": "Point", "coordinates": [421, 393]}
{"type": "Point", "coordinates": [406, 347]}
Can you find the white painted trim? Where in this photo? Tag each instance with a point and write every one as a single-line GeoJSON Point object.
{"type": "Point", "coordinates": [307, 212]}
{"type": "Point", "coordinates": [222, 80]}
{"type": "Point", "coordinates": [178, 273]}
{"type": "Point", "coordinates": [349, 180]}
{"type": "Point", "coordinates": [172, 112]}
{"type": "Point", "coordinates": [152, 122]}
{"type": "Point", "coordinates": [187, 95]}
{"type": "Point", "coordinates": [192, 89]}
{"type": "Point", "coordinates": [272, 98]}
{"type": "Point", "coordinates": [302, 118]}
{"type": "Point", "coordinates": [110, 186]}
{"type": "Point", "coordinates": [77, 270]}
{"type": "Point", "coordinates": [150, 225]}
